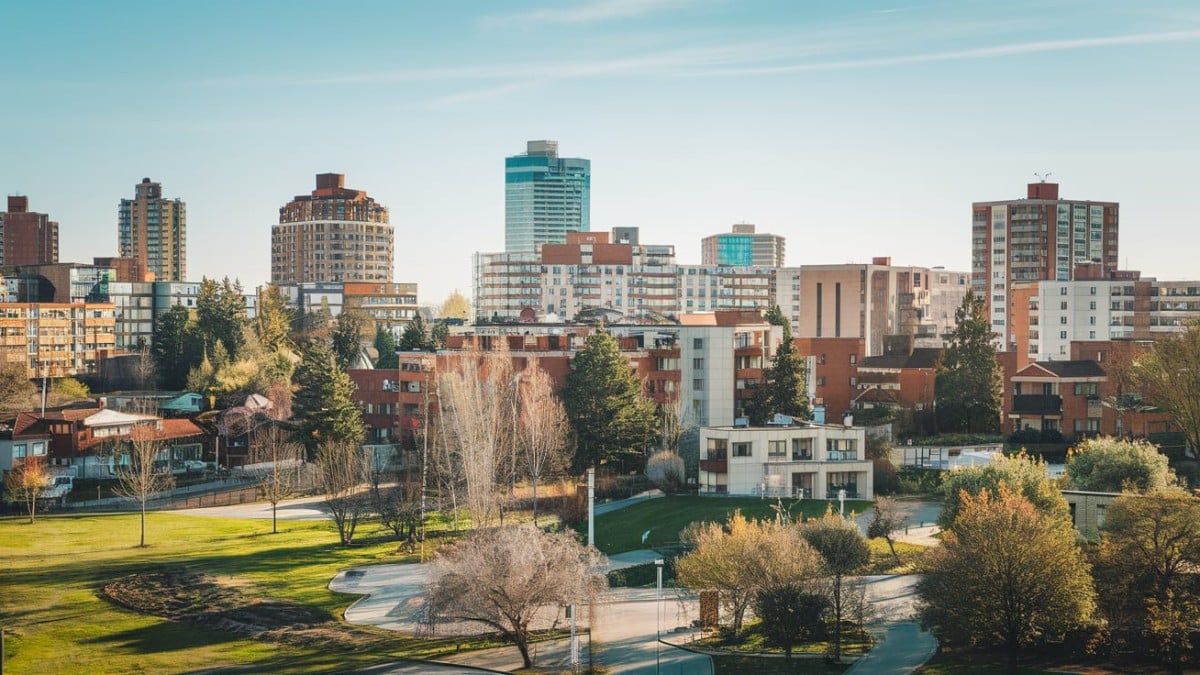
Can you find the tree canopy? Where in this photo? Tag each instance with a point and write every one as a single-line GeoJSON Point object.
{"type": "Point", "coordinates": [177, 347]}
{"type": "Point", "coordinates": [1006, 575]}
{"type": "Point", "coordinates": [415, 336]}
{"type": "Point", "coordinates": [385, 344]}
{"type": "Point", "coordinates": [346, 338]}
{"type": "Point", "coordinates": [1113, 465]}
{"type": "Point", "coordinates": [220, 313]}
{"type": "Point", "coordinates": [782, 389]}
{"type": "Point", "coordinates": [16, 390]}
{"type": "Point", "coordinates": [273, 319]}
{"type": "Point", "coordinates": [324, 401]}
{"type": "Point", "coordinates": [968, 387]}
{"type": "Point", "coordinates": [456, 306]}
{"type": "Point", "coordinates": [1023, 475]}
{"type": "Point", "coordinates": [1168, 376]}
{"type": "Point", "coordinates": [610, 417]}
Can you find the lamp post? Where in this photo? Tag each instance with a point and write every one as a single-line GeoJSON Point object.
{"type": "Point", "coordinates": [658, 568]}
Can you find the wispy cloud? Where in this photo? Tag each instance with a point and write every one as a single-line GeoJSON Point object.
{"type": "Point", "coordinates": [588, 12]}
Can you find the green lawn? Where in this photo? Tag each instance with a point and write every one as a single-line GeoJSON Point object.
{"type": "Point", "coordinates": [621, 531]}
{"type": "Point", "coordinates": [52, 572]}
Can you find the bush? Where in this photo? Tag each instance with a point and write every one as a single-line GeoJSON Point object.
{"type": "Point", "coordinates": [913, 480]}
{"type": "Point", "coordinates": [642, 576]}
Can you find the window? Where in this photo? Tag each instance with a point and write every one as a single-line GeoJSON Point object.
{"type": "Point", "coordinates": [841, 449]}
{"type": "Point", "coordinates": [1087, 389]}
{"type": "Point", "coordinates": [717, 448]}
{"type": "Point", "coordinates": [853, 359]}
{"type": "Point", "coordinates": [1062, 335]}
{"type": "Point", "coordinates": [697, 364]}
{"type": "Point", "coordinates": [1092, 304]}
{"type": "Point", "coordinates": [697, 343]}
{"type": "Point", "coordinates": [821, 381]}
{"type": "Point", "coordinates": [1062, 305]}
{"type": "Point", "coordinates": [802, 448]}
{"type": "Point", "coordinates": [697, 384]}
{"type": "Point", "coordinates": [776, 448]}
{"type": "Point", "coordinates": [741, 450]}
{"type": "Point", "coordinates": [1062, 291]}
{"type": "Point", "coordinates": [1062, 320]}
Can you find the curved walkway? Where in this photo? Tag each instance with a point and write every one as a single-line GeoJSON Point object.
{"type": "Point", "coordinates": [902, 648]}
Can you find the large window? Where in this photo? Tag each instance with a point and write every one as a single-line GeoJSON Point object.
{"type": "Point", "coordinates": [776, 449]}
{"type": "Point", "coordinates": [742, 450]}
{"type": "Point", "coordinates": [802, 448]}
{"type": "Point", "coordinates": [841, 480]}
{"type": "Point", "coordinates": [841, 449]}
{"type": "Point", "coordinates": [717, 448]}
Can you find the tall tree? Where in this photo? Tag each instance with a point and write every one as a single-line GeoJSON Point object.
{"type": "Point", "coordinates": [273, 319]}
{"type": "Point", "coordinates": [1110, 465]}
{"type": "Point", "coordinates": [324, 401]}
{"type": "Point", "coordinates": [415, 336]}
{"type": "Point", "coordinates": [885, 522]}
{"type": "Point", "coordinates": [25, 482]}
{"type": "Point", "coordinates": [177, 347]}
{"type": "Point", "coordinates": [142, 475]}
{"type": "Point", "coordinates": [385, 344]}
{"type": "Point", "coordinates": [1020, 474]}
{"type": "Point", "coordinates": [844, 552]}
{"type": "Point", "coordinates": [456, 306]}
{"type": "Point", "coordinates": [968, 387]}
{"type": "Point", "coordinates": [16, 390]}
{"type": "Point", "coordinates": [502, 577]}
{"type": "Point", "coordinates": [1168, 376]}
{"type": "Point", "coordinates": [542, 428]}
{"type": "Point", "coordinates": [277, 462]}
{"type": "Point", "coordinates": [782, 389]}
{"type": "Point", "coordinates": [347, 336]}
{"type": "Point", "coordinates": [775, 317]}
{"type": "Point", "coordinates": [439, 335]}
{"type": "Point", "coordinates": [343, 470]}
{"type": "Point", "coordinates": [220, 313]}
{"type": "Point", "coordinates": [1005, 576]}
{"type": "Point", "coordinates": [611, 418]}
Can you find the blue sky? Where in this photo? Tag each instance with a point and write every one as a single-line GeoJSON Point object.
{"type": "Point", "coordinates": [855, 129]}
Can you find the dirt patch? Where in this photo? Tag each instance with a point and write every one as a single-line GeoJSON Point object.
{"type": "Point", "coordinates": [201, 600]}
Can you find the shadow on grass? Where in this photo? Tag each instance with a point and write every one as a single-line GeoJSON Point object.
{"type": "Point", "coordinates": [163, 637]}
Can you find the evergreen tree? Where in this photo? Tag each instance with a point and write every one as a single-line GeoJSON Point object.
{"type": "Point", "coordinates": [324, 401]}
{"type": "Point", "coordinates": [782, 387]}
{"type": "Point", "coordinates": [347, 338]}
{"type": "Point", "coordinates": [611, 419]}
{"type": "Point", "coordinates": [220, 313]}
{"type": "Point", "coordinates": [775, 317]}
{"type": "Point", "coordinates": [439, 335]}
{"type": "Point", "coordinates": [176, 347]}
{"type": "Point", "coordinates": [273, 320]}
{"type": "Point", "coordinates": [415, 336]}
{"type": "Point", "coordinates": [968, 388]}
{"type": "Point", "coordinates": [385, 344]}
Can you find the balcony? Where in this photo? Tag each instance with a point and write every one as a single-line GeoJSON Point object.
{"type": "Point", "coordinates": [1037, 404]}
{"type": "Point", "coordinates": [714, 465]}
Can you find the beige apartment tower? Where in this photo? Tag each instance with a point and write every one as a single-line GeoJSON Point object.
{"type": "Point", "coordinates": [333, 235]}
{"type": "Point", "coordinates": [153, 231]}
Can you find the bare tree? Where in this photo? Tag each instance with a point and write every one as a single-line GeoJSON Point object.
{"type": "Point", "coordinates": [502, 577]}
{"type": "Point", "coordinates": [399, 509]}
{"type": "Point", "coordinates": [276, 463]}
{"type": "Point", "coordinates": [475, 401]}
{"type": "Point", "coordinates": [26, 482]}
{"type": "Point", "coordinates": [145, 370]}
{"type": "Point", "coordinates": [885, 522]}
{"type": "Point", "coordinates": [343, 470]}
{"type": "Point", "coordinates": [143, 475]}
{"type": "Point", "coordinates": [665, 470]}
{"type": "Point", "coordinates": [542, 427]}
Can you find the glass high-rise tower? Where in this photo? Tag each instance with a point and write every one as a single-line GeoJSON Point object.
{"type": "Point", "coordinates": [545, 197]}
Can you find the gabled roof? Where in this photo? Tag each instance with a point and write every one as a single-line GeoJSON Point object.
{"type": "Point", "coordinates": [110, 417]}
{"type": "Point", "coordinates": [1062, 369]}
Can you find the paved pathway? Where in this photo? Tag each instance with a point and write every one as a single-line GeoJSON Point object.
{"type": "Point", "coordinates": [303, 508]}
{"type": "Point", "coordinates": [901, 648]}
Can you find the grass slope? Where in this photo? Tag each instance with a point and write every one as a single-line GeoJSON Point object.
{"type": "Point", "coordinates": [53, 570]}
{"type": "Point", "coordinates": [621, 531]}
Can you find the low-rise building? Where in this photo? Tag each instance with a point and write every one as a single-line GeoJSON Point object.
{"type": "Point", "coordinates": [805, 460]}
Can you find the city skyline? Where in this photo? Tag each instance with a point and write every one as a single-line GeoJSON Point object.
{"type": "Point", "coordinates": [878, 121]}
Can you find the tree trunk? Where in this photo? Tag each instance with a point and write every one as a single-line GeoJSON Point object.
{"type": "Point", "coordinates": [32, 508]}
{"type": "Point", "coordinates": [837, 618]}
{"type": "Point", "coordinates": [274, 520]}
{"type": "Point", "coordinates": [535, 478]}
{"type": "Point", "coordinates": [142, 544]}
{"type": "Point", "coordinates": [523, 646]}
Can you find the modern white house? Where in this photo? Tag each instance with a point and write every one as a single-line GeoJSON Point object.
{"type": "Point", "coordinates": [801, 459]}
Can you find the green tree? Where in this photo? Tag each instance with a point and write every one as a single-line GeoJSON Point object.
{"type": "Point", "coordinates": [790, 613]}
{"type": "Point", "coordinates": [967, 391]}
{"type": "Point", "coordinates": [220, 313]}
{"type": "Point", "coordinates": [177, 347]}
{"type": "Point", "coordinates": [273, 320]}
{"type": "Point", "coordinates": [1006, 575]}
{"type": "Point", "coordinates": [16, 390]}
{"type": "Point", "coordinates": [610, 417]}
{"type": "Point", "coordinates": [385, 344]}
{"type": "Point", "coordinates": [439, 335]}
{"type": "Point", "coordinates": [782, 387]}
{"type": "Point", "coordinates": [1111, 465]}
{"type": "Point", "coordinates": [775, 317]}
{"type": "Point", "coordinates": [347, 338]}
{"type": "Point", "coordinates": [69, 389]}
{"type": "Point", "coordinates": [844, 552]}
{"type": "Point", "coordinates": [1168, 376]}
{"type": "Point", "coordinates": [324, 401]}
{"type": "Point", "coordinates": [1021, 474]}
{"type": "Point", "coordinates": [415, 336]}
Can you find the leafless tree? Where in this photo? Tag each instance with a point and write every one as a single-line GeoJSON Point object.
{"type": "Point", "coordinates": [26, 482]}
{"type": "Point", "coordinates": [277, 462]}
{"type": "Point", "coordinates": [399, 509]}
{"type": "Point", "coordinates": [145, 370]}
{"type": "Point", "coordinates": [501, 577]}
{"type": "Point", "coordinates": [143, 476]}
{"type": "Point", "coordinates": [886, 521]}
{"type": "Point", "coordinates": [665, 470]}
{"type": "Point", "coordinates": [542, 429]}
{"type": "Point", "coordinates": [475, 400]}
{"type": "Point", "coordinates": [343, 471]}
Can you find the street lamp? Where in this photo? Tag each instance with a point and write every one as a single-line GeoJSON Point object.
{"type": "Point", "coordinates": [658, 568]}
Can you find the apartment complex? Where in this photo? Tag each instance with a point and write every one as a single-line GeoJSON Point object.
{"type": "Point", "coordinates": [27, 238]}
{"type": "Point", "coordinates": [334, 234]}
{"type": "Point", "coordinates": [870, 301]}
{"type": "Point", "coordinates": [56, 339]}
{"type": "Point", "coordinates": [545, 197]}
{"type": "Point", "coordinates": [589, 273]}
{"type": "Point", "coordinates": [805, 460]}
{"type": "Point", "coordinates": [153, 230]}
{"type": "Point", "coordinates": [743, 247]}
{"type": "Point", "coordinates": [1041, 237]}
{"type": "Point", "coordinates": [387, 305]}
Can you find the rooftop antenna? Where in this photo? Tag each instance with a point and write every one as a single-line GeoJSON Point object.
{"type": "Point", "coordinates": [1043, 176]}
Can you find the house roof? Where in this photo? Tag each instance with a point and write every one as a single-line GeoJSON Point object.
{"type": "Point", "coordinates": [110, 417]}
{"type": "Point", "coordinates": [1062, 369]}
{"type": "Point", "coordinates": [921, 357]}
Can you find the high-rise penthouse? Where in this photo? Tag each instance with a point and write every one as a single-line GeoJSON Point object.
{"type": "Point", "coordinates": [335, 234]}
{"type": "Point", "coordinates": [26, 238]}
{"type": "Point", "coordinates": [153, 231]}
{"type": "Point", "coordinates": [545, 197]}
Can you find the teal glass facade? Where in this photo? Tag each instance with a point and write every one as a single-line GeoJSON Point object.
{"type": "Point", "coordinates": [545, 197]}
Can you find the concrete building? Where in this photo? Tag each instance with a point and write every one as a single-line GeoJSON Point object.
{"type": "Point", "coordinates": [545, 197]}
{"type": "Point", "coordinates": [26, 237]}
{"type": "Point", "coordinates": [153, 230]}
{"type": "Point", "coordinates": [390, 306]}
{"type": "Point", "coordinates": [56, 339]}
{"type": "Point", "coordinates": [1041, 237]}
{"type": "Point", "coordinates": [743, 247]}
{"type": "Point", "coordinates": [334, 234]}
{"type": "Point", "coordinates": [811, 461]}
